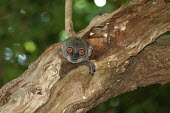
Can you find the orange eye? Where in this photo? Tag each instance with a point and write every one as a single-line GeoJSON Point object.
{"type": "Point", "coordinates": [81, 52]}
{"type": "Point", "coordinates": [69, 50]}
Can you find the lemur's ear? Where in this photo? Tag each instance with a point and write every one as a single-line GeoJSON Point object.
{"type": "Point", "coordinates": [90, 49]}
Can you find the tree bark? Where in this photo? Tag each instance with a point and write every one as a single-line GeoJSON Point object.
{"type": "Point", "coordinates": [126, 55]}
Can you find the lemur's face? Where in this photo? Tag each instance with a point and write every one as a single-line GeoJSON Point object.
{"type": "Point", "coordinates": [75, 50]}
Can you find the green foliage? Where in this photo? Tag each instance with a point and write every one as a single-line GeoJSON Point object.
{"type": "Point", "coordinates": [28, 27]}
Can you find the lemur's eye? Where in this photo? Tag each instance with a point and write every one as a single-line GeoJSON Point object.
{"type": "Point", "coordinates": [81, 52]}
{"type": "Point", "coordinates": [69, 50]}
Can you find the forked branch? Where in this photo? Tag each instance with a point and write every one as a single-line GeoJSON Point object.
{"type": "Point", "coordinates": [129, 60]}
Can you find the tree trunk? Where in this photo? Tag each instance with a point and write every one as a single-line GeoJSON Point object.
{"type": "Point", "coordinates": [126, 55]}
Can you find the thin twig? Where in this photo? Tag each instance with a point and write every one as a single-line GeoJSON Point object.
{"type": "Point", "coordinates": [68, 19]}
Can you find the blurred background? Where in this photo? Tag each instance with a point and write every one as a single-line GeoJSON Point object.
{"type": "Point", "coordinates": [28, 27]}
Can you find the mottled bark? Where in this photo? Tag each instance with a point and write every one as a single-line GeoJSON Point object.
{"type": "Point", "coordinates": [126, 56]}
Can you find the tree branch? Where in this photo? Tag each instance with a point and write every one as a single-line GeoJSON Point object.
{"type": "Point", "coordinates": [125, 58]}
{"type": "Point", "coordinates": [68, 19]}
{"type": "Point", "coordinates": [151, 66]}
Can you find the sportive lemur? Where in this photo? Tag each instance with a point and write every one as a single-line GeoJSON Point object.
{"type": "Point", "coordinates": [77, 52]}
